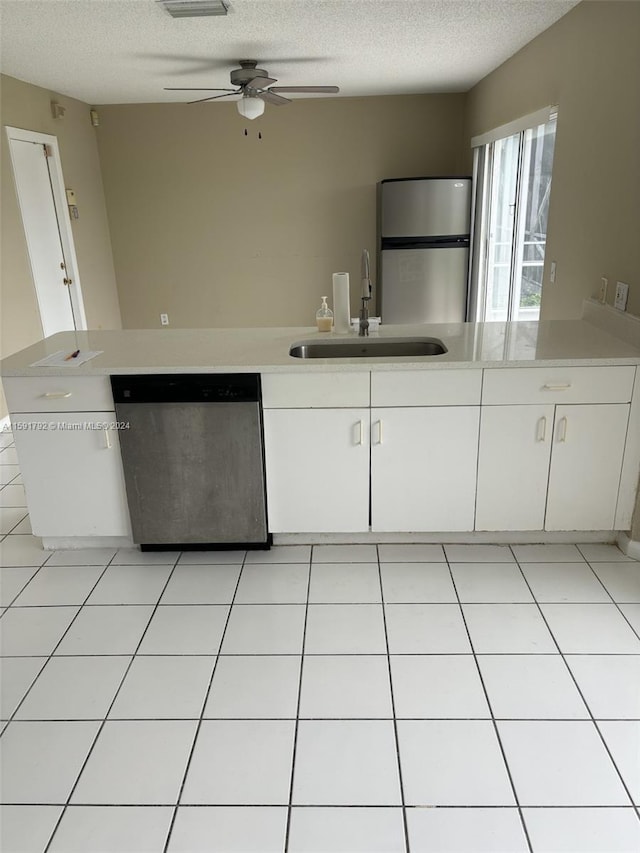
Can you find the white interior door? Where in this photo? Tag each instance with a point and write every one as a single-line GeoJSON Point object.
{"type": "Point", "coordinates": [40, 191]}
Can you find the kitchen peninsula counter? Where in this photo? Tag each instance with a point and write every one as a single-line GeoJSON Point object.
{"type": "Point", "coordinates": [555, 405]}
{"type": "Point", "coordinates": [266, 350]}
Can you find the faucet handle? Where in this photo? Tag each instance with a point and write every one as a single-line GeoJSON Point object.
{"type": "Point", "coordinates": [365, 274]}
{"type": "Point", "coordinates": [363, 327]}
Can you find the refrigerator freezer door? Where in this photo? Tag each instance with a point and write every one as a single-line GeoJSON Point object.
{"type": "Point", "coordinates": [424, 285]}
{"type": "Point", "coordinates": [425, 207]}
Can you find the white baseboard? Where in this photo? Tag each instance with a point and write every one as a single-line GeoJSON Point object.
{"type": "Point", "coordinates": [628, 546]}
{"type": "Point", "coordinates": [534, 537]}
{"type": "Point", "coordinates": [72, 543]}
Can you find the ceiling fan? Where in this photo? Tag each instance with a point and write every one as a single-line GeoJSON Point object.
{"type": "Point", "coordinates": [255, 87]}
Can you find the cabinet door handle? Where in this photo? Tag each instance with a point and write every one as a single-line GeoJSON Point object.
{"type": "Point", "coordinates": [562, 386]}
{"type": "Point", "coordinates": [358, 432]}
{"type": "Point", "coordinates": [378, 428]}
{"type": "Point", "coordinates": [562, 429]}
{"type": "Point", "coordinates": [55, 395]}
{"type": "Point", "coordinates": [541, 429]}
{"type": "Point", "coordinates": [107, 439]}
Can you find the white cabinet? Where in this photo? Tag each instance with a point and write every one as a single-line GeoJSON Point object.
{"type": "Point", "coordinates": [513, 467]}
{"type": "Point", "coordinates": [424, 449]}
{"type": "Point", "coordinates": [586, 462]}
{"type": "Point", "coordinates": [72, 474]}
{"type": "Point", "coordinates": [317, 468]}
{"type": "Point", "coordinates": [423, 468]}
{"type": "Point", "coordinates": [552, 466]}
{"type": "Point", "coordinates": [69, 455]}
{"type": "Point", "coordinates": [316, 444]}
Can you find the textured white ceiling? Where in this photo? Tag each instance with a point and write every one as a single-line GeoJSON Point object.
{"type": "Point", "coordinates": [126, 51]}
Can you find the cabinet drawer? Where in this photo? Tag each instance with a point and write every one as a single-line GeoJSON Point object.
{"type": "Point", "coordinates": [58, 394]}
{"type": "Point", "coordinates": [558, 385]}
{"type": "Point", "coordinates": [315, 390]}
{"type": "Point", "coordinates": [426, 388]}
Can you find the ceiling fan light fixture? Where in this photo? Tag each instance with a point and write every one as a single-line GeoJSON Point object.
{"type": "Point", "coordinates": [194, 8]}
{"type": "Point", "coordinates": [250, 106]}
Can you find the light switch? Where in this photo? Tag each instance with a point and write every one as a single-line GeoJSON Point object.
{"type": "Point", "coordinates": [71, 197]}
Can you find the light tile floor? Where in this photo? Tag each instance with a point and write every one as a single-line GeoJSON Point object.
{"type": "Point", "coordinates": [334, 699]}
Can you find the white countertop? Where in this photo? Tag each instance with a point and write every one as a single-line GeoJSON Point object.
{"type": "Point", "coordinates": [264, 350]}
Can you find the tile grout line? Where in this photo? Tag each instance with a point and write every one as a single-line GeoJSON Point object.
{"type": "Point", "coordinates": [405, 823]}
{"type": "Point", "coordinates": [104, 719]}
{"type": "Point", "coordinates": [493, 719]}
{"type": "Point", "coordinates": [49, 657]}
{"type": "Point", "coordinates": [455, 806]}
{"type": "Point", "coordinates": [295, 731]}
{"type": "Point", "coordinates": [10, 532]}
{"type": "Point", "coordinates": [176, 805]}
{"type": "Point", "coordinates": [613, 601]}
{"type": "Point", "coordinates": [577, 686]}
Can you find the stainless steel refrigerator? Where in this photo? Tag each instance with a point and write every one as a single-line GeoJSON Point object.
{"type": "Point", "coordinates": [423, 245]}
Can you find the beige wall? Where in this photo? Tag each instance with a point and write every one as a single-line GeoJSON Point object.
{"type": "Point", "coordinates": [589, 64]}
{"type": "Point", "coordinates": [28, 107]}
{"type": "Point", "coordinates": [217, 228]}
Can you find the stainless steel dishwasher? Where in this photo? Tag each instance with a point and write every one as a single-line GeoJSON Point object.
{"type": "Point", "coordinates": [193, 459]}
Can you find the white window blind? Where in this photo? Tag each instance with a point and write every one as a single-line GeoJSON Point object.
{"type": "Point", "coordinates": [516, 126]}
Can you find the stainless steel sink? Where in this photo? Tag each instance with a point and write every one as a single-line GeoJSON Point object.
{"type": "Point", "coordinates": [368, 348]}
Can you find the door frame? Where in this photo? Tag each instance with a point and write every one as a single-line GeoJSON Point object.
{"type": "Point", "coordinates": [62, 214]}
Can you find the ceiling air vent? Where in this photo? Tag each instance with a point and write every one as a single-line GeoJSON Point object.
{"type": "Point", "coordinates": [194, 8]}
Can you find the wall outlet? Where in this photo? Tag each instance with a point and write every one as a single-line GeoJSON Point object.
{"type": "Point", "coordinates": [164, 319]}
{"type": "Point", "coordinates": [622, 294]}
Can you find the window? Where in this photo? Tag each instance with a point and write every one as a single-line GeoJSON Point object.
{"type": "Point", "coordinates": [512, 182]}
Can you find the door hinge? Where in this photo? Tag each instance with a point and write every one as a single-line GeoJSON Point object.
{"type": "Point", "coordinates": [67, 281]}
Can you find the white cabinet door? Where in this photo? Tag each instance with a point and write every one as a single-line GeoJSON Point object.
{"type": "Point", "coordinates": [317, 466]}
{"type": "Point", "coordinates": [72, 476]}
{"type": "Point", "coordinates": [513, 467]}
{"type": "Point", "coordinates": [586, 461]}
{"type": "Point", "coordinates": [423, 468]}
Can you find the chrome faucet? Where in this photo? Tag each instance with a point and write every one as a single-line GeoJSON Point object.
{"type": "Point", "coordinates": [363, 327]}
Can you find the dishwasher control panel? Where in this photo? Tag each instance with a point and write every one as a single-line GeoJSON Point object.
{"type": "Point", "coordinates": [186, 388]}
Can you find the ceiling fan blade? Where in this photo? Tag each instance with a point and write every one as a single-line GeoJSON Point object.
{"type": "Point", "coordinates": [214, 97]}
{"type": "Point", "coordinates": [260, 83]}
{"type": "Point", "coordinates": [327, 89]}
{"type": "Point", "coordinates": [271, 98]}
{"type": "Point", "coordinates": [196, 89]}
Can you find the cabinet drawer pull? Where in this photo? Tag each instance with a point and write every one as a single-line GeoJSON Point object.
{"type": "Point", "coordinates": [541, 429]}
{"type": "Point", "coordinates": [561, 386]}
{"type": "Point", "coordinates": [107, 440]}
{"type": "Point", "coordinates": [56, 395]}
{"type": "Point", "coordinates": [358, 432]}
{"type": "Point", "coordinates": [562, 429]}
{"type": "Point", "coordinates": [378, 433]}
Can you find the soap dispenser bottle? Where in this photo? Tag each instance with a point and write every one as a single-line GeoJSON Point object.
{"type": "Point", "coordinates": [324, 317]}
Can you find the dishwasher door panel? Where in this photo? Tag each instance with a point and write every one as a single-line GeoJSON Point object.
{"type": "Point", "coordinates": [194, 472]}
